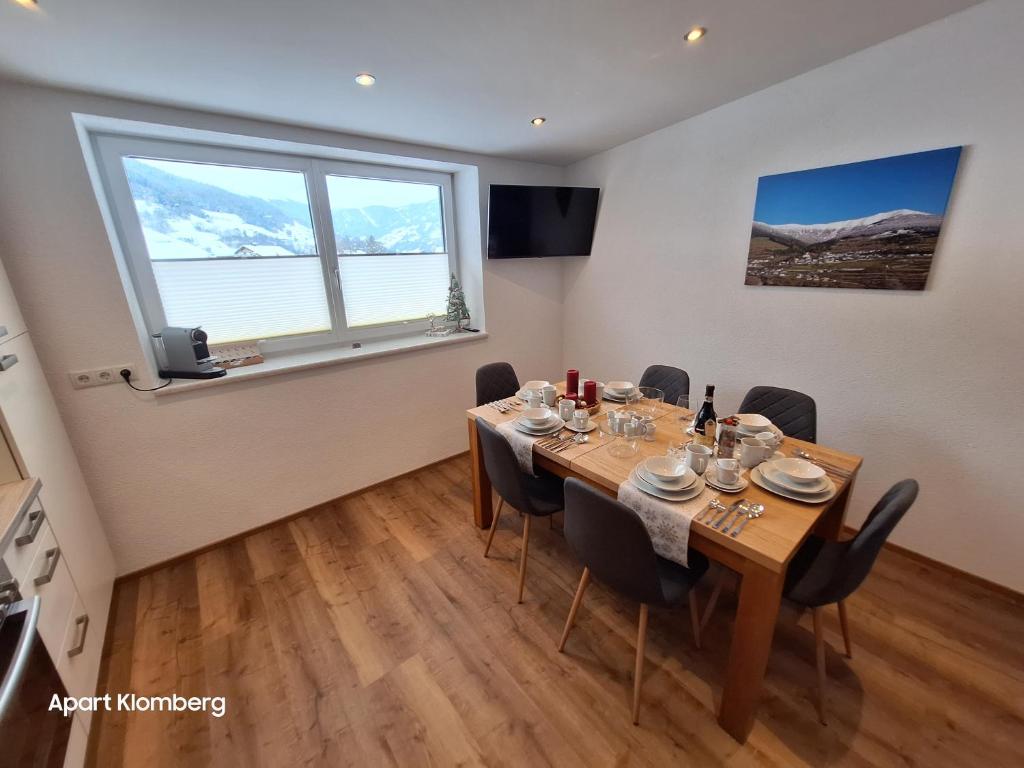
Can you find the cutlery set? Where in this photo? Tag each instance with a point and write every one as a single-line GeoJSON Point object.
{"type": "Point", "coordinates": [725, 518]}
{"type": "Point", "coordinates": [504, 406]}
{"type": "Point", "coordinates": [557, 444]}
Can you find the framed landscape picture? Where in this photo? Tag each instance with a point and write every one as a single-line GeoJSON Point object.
{"type": "Point", "coordinates": [872, 224]}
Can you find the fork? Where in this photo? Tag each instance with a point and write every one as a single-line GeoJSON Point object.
{"type": "Point", "coordinates": [501, 406]}
{"type": "Point", "coordinates": [740, 506]}
{"type": "Point", "coordinates": [828, 467]}
{"type": "Point", "coordinates": [755, 511]}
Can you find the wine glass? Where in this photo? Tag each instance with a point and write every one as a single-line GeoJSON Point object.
{"type": "Point", "coordinates": [684, 415]}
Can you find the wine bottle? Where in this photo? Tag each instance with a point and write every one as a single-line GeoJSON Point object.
{"type": "Point", "coordinates": [705, 416]}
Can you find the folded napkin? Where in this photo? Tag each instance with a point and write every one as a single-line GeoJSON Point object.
{"type": "Point", "coordinates": [667, 522]}
{"type": "Point", "coordinates": [522, 444]}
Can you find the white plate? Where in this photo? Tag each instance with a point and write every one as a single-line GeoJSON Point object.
{"type": "Point", "coordinates": [590, 428]}
{"type": "Point", "coordinates": [535, 384]}
{"type": "Point", "coordinates": [808, 498]}
{"type": "Point", "coordinates": [682, 484]}
{"type": "Point", "coordinates": [555, 426]}
{"type": "Point", "coordinates": [690, 493]}
{"type": "Point", "coordinates": [711, 478]}
{"type": "Point", "coordinates": [619, 386]}
{"type": "Point", "coordinates": [741, 433]}
{"type": "Point", "coordinates": [772, 475]}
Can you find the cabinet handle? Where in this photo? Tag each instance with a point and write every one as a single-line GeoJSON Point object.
{"type": "Point", "coordinates": [81, 625]}
{"type": "Point", "coordinates": [9, 592]}
{"type": "Point", "coordinates": [53, 556]}
{"type": "Point", "coordinates": [7, 362]}
{"type": "Point", "coordinates": [35, 522]}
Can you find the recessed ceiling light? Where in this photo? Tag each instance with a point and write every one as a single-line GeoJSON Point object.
{"type": "Point", "coordinates": [695, 34]}
{"type": "Point", "coordinates": [538, 121]}
{"type": "Point", "coordinates": [33, 4]}
{"type": "Point", "coordinates": [365, 79]}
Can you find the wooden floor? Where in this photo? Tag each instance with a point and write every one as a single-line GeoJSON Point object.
{"type": "Point", "coordinates": [371, 631]}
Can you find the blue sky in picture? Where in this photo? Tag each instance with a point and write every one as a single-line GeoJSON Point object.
{"type": "Point", "coordinates": [919, 182]}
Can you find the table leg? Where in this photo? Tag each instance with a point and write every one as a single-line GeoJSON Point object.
{"type": "Point", "coordinates": [481, 483]}
{"type": "Point", "coordinates": [760, 596]}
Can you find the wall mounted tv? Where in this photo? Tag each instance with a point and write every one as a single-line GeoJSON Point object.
{"type": "Point", "coordinates": [525, 222]}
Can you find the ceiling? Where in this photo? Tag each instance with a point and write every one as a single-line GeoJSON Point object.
{"type": "Point", "coordinates": [466, 74]}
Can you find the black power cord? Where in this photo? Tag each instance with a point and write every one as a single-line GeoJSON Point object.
{"type": "Point", "coordinates": [127, 376]}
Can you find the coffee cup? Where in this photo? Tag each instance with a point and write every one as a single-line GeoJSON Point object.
{"type": "Point", "coordinates": [566, 409]}
{"type": "Point", "coordinates": [550, 394]}
{"type": "Point", "coordinates": [600, 391]}
{"type": "Point", "coordinates": [581, 418]}
{"type": "Point", "coordinates": [768, 438]}
{"type": "Point", "coordinates": [533, 397]}
{"type": "Point", "coordinates": [697, 457]}
{"type": "Point", "coordinates": [753, 451]}
{"type": "Point", "coordinates": [727, 471]}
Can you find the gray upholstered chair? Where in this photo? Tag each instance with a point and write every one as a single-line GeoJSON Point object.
{"type": "Point", "coordinates": [823, 572]}
{"type": "Point", "coordinates": [615, 548]}
{"type": "Point", "coordinates": [495, 381]}
{"type": "Point", "coordinates": [539, 496]}
{"type": "Point", "coordinates": [793, 412]}
{"type": "Point", "coordinates": [672, 381]}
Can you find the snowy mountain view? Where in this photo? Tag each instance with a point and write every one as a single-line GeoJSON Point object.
{"type": "Point", "coordinates": [185, 218]}
{"type": "Point", "coordinates": [870, 224]}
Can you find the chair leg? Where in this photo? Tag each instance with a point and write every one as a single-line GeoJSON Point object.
{"type": "Point", "coordinates": [713, 599]}
{"type": "Point", "coordinates": [694, 616]}
{"type": "Point", "coordinates": [846, 629]}
{"type": "Point", "coordinates": [522, 556]}
{"type": "Point", "coordinates": [494, 526]}
{"type": "Point", "coordinates": [576, 602]}
{"type": "Point", "coordinates": [819, 651]}
{"type": "Point", "coordinates": [638, 673]}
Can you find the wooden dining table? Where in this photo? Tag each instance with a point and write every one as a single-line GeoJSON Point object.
{"type": "Point", "coordinates": [760, 554]}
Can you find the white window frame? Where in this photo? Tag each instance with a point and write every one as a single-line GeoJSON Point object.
{"type": "Point", "coordinates": [109, 150]}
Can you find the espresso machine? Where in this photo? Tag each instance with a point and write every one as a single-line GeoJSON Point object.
{"type": "Point", "coordinates": [182, 353]}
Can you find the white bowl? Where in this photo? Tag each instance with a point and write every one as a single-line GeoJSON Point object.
{"type": "Point", "coordinates": [798, 470]}
{"type": "Point", "coordinates": [535, 384]}
{"type": "Point", "coordinates": [753, 422]}
{"type": "Point", "coordinates": [665, 468]}
{"type": "Point", "coordinates": [536, 417]}
{"type": "Point", "coordinates": [618, 386]}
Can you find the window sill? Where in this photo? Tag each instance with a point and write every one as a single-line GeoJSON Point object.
{"type": "Point", "coordinates": [321, 358]}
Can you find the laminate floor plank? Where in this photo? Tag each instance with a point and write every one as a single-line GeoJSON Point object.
{"type": "Point", "coordinates": [371, 631]}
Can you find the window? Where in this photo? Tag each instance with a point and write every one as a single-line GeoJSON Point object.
{"type": "Point", "coordinates": [291, 251]}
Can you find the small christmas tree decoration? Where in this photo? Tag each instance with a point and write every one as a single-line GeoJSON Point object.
{"type": "Point", "coordinates": [458, 312]}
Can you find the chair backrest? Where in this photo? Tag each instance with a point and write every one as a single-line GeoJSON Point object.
{"type": "Point", "coordinates": [503, 468]}
{"type": "Point", "coordinates": [495, 381]}
{"type": "Point", "coordinates": [841, 567]}
{"type": "Point", "coordinates": [793, 412]}
{"type": "Point", "coordinates": [611, 540]}
{"type": "Point", "coordinates": [672, 381]}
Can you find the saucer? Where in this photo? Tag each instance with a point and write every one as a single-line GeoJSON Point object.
{"type": "Point", "coordinates": [590, 428]}
{"type": "Point", "coordinates": [711, 478]}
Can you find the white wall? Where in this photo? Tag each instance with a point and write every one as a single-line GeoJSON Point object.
{"type": "Point", "coordinates": [924, 385]}
{"type": "Point", "coordinates": [174, 474]}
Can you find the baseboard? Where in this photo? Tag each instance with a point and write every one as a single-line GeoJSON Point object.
{"type": "Point", "coordinates": [910, 554]}
{"type": "Point", "coordinates": [250, 531]}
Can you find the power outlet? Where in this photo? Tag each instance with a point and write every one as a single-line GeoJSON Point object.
{"type": "Point", "coordinates": [99, 376]}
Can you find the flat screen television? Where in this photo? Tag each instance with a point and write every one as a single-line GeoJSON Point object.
{"type": "Point", "coordinates": [525, 222]}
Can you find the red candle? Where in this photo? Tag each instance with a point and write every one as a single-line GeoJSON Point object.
{"type": "Point", "coordinates": [590, 391]}
{"type": "Point", "coordinates": [572, 382]}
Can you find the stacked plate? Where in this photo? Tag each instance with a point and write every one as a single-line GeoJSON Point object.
{"type": "Point", "coordinates": [616, 391]}
{"type": "Point", "coordinates": [667, 479]}
{"type": "Point", "coordinates": [796, 479]}
{"type": "Point", "coordinates": [539, 421]}
{"type": "Point", "coordinates": [711, 478]}
{"type": "Point", "coordinates": [535, 385]}
{"type": "Point", "coordinates": [753, 424]}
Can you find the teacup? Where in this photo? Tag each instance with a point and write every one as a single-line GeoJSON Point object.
{"type": "Point", "coordinates": [753, 451]}
{"type": "Point", "coordinates": [728, 471]}
{"type": "Point", "coordinates": [581, 418]}
{"type": "Point", "coordinates": [534, 398]}
{"type": "Point", "coordinates": [566, 409]}
{"type": "Point", "coordinates": [768, 438]}
{"type": "Point", "coordinates": [697, 457]}
{"type": "Point", "coordinates": [549, 393]}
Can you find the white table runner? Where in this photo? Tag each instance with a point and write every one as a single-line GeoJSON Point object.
{"type": "Point", "coordinates": [667, 522]}
{"type": "Point", "coordinates": [522, 444]}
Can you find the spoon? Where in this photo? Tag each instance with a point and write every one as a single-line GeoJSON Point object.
{"type": "Point", "coordinates": [754, 510]}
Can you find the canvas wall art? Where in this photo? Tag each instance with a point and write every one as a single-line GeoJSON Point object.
{"type": "Point", "coordinates": [872, 224]}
